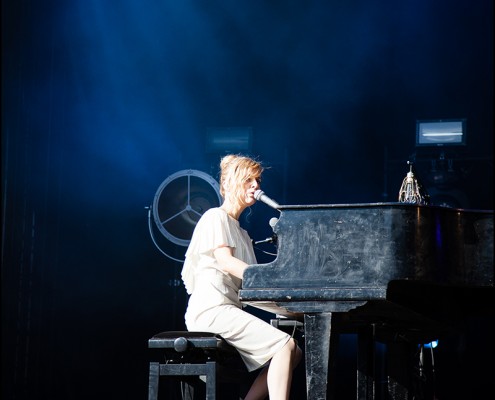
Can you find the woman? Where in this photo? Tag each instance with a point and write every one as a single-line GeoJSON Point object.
{"type": "Point", "coordinates": [219, 252]}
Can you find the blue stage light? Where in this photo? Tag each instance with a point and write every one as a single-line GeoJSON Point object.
{"type": "Point", "coordinates": [433, 344]}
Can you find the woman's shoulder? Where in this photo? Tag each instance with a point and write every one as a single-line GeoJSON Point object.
{"type": "Point", "coordinates": [213, 214]}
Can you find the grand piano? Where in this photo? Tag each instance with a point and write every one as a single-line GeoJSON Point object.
{"type": "Point", "coordinates": [382, 270]}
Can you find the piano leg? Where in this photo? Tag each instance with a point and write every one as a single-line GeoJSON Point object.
{"type": "Point", "coordinates": [399, 355]}
{"type": "Point", "coordinates": [320, 348]}
{"type": "Point", "coordinates": [366, 363]}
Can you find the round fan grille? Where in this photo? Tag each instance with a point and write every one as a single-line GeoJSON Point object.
{"type": "Point", "coordinates": [181, 200]}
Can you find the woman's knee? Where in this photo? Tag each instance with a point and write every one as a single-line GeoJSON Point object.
{"type": "Point", "coordinates": [294, 350]}
{"type": "Point", "coordinates": [291, 345]}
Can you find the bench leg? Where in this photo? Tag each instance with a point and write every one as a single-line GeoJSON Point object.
{"type": "Point", "coordinates": [153, 381]}
{"type": "Point", "coordinates": [211, 380]}
{"type": "Point", "coordinates": [209, 370]}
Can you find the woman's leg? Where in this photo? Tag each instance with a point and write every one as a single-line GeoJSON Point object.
{"type": "Point", "coordinates": [277, 378]}
{"type": "Point", "coordinates": [259, 388]}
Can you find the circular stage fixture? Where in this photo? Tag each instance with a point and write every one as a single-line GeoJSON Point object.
{"type": "Point", "coordinates": [181, 200]}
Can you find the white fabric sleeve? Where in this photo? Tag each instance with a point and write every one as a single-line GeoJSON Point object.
{"type": "Point", "coordinates": [211, 231]}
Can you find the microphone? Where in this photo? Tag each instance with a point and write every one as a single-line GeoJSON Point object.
{"type": "Point", "coordinates": [273, 238]}
{"type": "Point", "coordinates": [260, 195]}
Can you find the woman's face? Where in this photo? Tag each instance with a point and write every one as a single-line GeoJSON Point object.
{"type": "Point", "coordinates": [251, 185]}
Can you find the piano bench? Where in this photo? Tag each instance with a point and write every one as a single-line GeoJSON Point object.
{"type": "Point", "coordinates": [198, 354]}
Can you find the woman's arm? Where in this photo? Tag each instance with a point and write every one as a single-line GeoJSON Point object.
{"type": "Point", "coordinates": [228, 263]}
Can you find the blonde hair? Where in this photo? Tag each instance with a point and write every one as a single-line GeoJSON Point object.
{"type": "Point", "coordinates": [235, 170]}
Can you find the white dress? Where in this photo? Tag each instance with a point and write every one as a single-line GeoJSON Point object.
{"type": "Point", "coordinates": [214, 304]}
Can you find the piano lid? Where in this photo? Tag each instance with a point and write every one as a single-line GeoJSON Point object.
{"type": "Point", "coordinates": [327, 246]}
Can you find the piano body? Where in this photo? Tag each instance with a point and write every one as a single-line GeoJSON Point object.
{"type": "Point", "coordinates": [381, 270]}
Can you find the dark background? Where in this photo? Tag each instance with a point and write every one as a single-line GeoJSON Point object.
{"type": "Point", "coordinates": [102, 101]}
